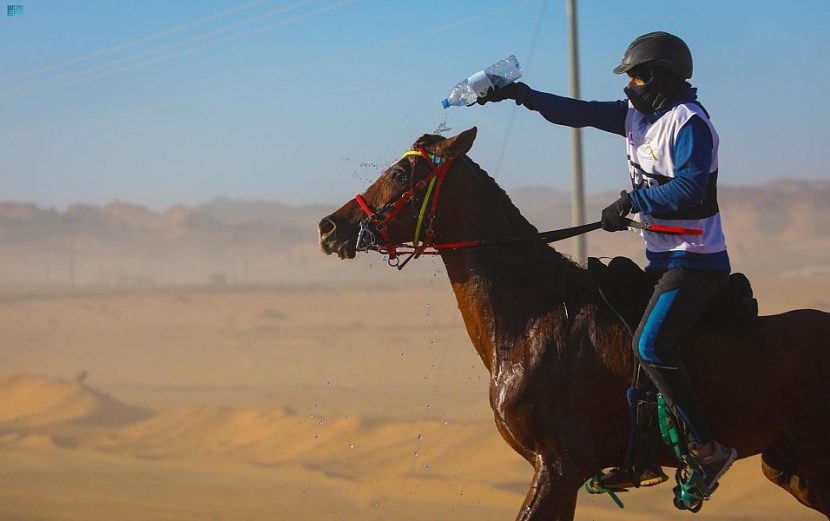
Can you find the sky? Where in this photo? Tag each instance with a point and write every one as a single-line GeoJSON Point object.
{"type": "Point", "coordinates": [171, 102]}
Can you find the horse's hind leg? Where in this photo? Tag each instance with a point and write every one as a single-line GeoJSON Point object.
{"type": "Point", "coordinates": [801, 465]}
{"type": "Point", "coordinates": [780, 466]}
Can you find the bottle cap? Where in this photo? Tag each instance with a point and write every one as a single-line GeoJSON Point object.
{"type": "Point", "coordinates": [445, 103]}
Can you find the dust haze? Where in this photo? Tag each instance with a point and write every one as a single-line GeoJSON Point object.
{"type": "Point", "coordinates": [211, 363]}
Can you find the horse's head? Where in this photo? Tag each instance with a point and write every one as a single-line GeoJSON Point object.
{"type": "Point", "coordinates": [400, 205]}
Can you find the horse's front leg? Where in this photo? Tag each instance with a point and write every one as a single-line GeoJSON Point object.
{"type": "Point", "coordinates": [551, 497]}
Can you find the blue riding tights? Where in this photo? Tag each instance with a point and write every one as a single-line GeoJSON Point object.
{"type": "Point", "coordinates": [680, 297]}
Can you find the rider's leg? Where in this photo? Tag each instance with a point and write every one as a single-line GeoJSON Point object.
{"type": "Point", "coordinates": [679, 298]}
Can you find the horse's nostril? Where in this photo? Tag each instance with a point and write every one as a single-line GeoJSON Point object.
{"type": "Point", "coordinates": [326, 227]}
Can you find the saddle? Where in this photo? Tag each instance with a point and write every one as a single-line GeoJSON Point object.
{"type": "Point", "coordinates": [627, 289]}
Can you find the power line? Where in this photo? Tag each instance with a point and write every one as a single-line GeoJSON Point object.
{"type": "Point", "coordinates": [293, 72]}
{"type": "Point", "coordinates": [528, 63]}
{"type": "Point", "coordinates": [88, 74]}
{"type": "Point", "coordinates": [127, 45]}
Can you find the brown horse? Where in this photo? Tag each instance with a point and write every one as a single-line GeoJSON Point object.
{"type": "Point", "coordinates": [560, 360]}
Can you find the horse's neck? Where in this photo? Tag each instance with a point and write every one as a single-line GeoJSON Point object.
{"type": "Point", "coordinates": [507, 297]}
{"type": "Point", "coordinates": [507, 294]}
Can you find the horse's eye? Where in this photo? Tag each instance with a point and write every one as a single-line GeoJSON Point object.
{"type": "Point", "coordinates": [399, 176]}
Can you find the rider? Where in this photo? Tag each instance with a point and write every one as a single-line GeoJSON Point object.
{"type": "Point", "coordinates": [673, 163]}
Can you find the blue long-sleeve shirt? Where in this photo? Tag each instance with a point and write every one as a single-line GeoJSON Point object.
{"type": "Point", "coordinates": [692, 154]}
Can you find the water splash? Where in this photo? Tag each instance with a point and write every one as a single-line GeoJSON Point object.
{"type": "Point", "coordinates": [442, 127]}
{"type": "Point", "coordinates": [366, 170]}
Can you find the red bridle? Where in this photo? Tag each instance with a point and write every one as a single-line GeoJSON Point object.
{"type": "Point", "coordinates": [392, 249]}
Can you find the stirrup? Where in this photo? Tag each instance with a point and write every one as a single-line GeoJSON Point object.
{"type": "Point", "coordinates": [620, 480]}
{"type": "Point", "coordinates": [691, 490]}
{"type": "Point", "coordinates": [593, 486]}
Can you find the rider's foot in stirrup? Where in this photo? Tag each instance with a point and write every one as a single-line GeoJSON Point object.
{"type": "Point", "coordinates": [620, 479]}
{"type": "Point", "coordinates": [716, 464]}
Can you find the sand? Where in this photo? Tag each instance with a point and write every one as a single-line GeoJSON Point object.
{"type": "Point", "coordinates": [308, 402]}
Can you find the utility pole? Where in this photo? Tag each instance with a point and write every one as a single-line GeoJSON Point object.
{"type": "Point", "coordinates": [578, 196]}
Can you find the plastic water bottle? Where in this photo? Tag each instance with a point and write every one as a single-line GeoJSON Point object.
{"type": "Point", "coordinates": [497, 75]}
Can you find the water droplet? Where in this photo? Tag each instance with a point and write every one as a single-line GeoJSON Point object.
{"type": "Point", "coordinates": [419, 437]}
{"type": "Point", "coordinates": [426, 465]}
{"type": "Point", "coordinates": [428, 407]}
{"type": "Point", "coordinates": [351, 446]}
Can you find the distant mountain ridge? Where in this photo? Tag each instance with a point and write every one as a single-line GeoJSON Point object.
{"type": "Point", "coordinates": [772, 228]}
{"type": "Point", "coordinates": [120, 221]}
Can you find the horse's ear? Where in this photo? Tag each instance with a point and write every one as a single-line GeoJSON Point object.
{"type": "Point", "coordinates": [457, 146]}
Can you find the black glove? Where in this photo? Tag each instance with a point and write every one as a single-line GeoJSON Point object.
{"type": "Point", "coordinates": [499, 93]}
{"type": "Point", "coordinates": [613, 217]}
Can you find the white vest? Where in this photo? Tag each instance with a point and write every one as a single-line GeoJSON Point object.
{"type": "Point", "coordinates": [650, 147]}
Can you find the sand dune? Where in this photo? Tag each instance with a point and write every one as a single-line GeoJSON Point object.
{"type": "Point", "coordinates": [29, 401]}
{"type": "Point", "coordinates": [364, 469]}
{"type": "Point", "coordinates": [283, 404]}
{"type": "Point", "coordinates": [32, 401]}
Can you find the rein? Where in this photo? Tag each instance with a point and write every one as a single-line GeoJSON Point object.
{"type": "Point", "coordinates": [366, 238]}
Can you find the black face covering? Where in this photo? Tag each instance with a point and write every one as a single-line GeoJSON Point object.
{"type": "Point", "coordinates": [661, 89]}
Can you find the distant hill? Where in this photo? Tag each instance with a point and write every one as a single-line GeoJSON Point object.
{"type": "Point", "coordinates": [774, 228]}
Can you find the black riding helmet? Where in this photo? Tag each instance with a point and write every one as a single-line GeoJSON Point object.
{"type": "Point", "coordinates": [658, 48]}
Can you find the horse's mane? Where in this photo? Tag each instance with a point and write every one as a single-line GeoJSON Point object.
{"type": "Point", "coordinates": [494, 195]}
{"type": "Point", "coordinates": [498, 198]}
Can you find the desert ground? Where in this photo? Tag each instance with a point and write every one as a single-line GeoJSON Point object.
{"type": "Point", "coordinates": [310, 401]}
